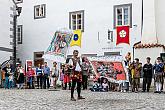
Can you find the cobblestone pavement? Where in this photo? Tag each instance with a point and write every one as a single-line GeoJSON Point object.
{"type": "Point", "coordinates": [60, 100]}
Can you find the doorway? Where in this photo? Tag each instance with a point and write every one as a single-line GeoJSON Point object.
{"type": "Point", "coordinates": [38, 58]}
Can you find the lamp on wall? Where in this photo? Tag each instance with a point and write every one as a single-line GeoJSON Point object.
{"type": "Point", "coordinates": [19, 10]}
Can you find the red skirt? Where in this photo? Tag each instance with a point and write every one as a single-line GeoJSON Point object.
{"type": "Point", "coordinates": [67, 78]}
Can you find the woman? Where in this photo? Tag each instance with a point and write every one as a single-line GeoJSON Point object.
{"type": "Point", "coordinates": [67, 78]}
{"type": "Point", "coordinates": [62, 75]}
{"type": "Point", "coordinates": [55, 74]}
{"type": "Point", "coordinates": [20, 77]}
{"type": "Point", "coordinates": [30, 77]}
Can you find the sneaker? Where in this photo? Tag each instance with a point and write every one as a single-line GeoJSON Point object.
{"type": "Point", "coordinates": [156, 92]}
{"type": "Point", "coordinates": [143, 91]}
{"type": "Point", "coordinates": [80, 98]}
{"type": "Point", "coordinates": [73, 99]}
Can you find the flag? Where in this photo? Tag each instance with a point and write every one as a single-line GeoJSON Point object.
{"type": "Point", "coordinates": [122, 34]}
{"type": "Point", "coordinates": [57, 50]}
{"type": "Point", "coordinates": [76, 39]}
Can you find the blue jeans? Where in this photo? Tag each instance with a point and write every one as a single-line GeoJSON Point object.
{"type": "Point", "coordinates": [30, 82]}
{"type": "Point", "coordinates": [6, 82]}
{"type": "Point", "coordinates": [10, 84]}
{"type": "Point", "coordinates": [20, 86]}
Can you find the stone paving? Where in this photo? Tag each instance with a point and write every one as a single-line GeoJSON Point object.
{"type": "Point", "coordinates": [60, 100]}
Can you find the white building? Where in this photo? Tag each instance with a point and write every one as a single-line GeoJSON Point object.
{"type": "Point", "coordinates": [153, 34]}
{"type": "Point", "coordinates": [6, 29]}
{"type": "Point", "coordinates": [41, 18]}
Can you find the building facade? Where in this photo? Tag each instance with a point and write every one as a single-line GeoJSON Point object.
{"type": "Point", "coordinates": [152, 43]}
{"type": "Point", "coordinates": [96, 18]}
{"type": "Point", "coordinates": [6, 29]}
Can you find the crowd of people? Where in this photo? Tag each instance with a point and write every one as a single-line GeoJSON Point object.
{"type": "Point", "coordinates": [74, 71]}
{"type": "Point", "coordinates": [75, 74]}
{"type": "Point", "coordinates": [148, 72]}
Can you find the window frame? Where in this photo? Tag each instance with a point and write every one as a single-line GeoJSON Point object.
{"type": "Point", "coordinates": [110, 36]}
{"type": "Point", "coordinates": [17, 2]}
{"type": "Point", "coordinates": [129, 6]}
{"type": "Point", "coordinates": [21, 33]}
{"type": "Point", "coordinates": [44, 13]}
{"type": "Point", "coordinates": [76, 19]}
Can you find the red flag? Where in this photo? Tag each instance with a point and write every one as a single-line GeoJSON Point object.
{"type": "Point", "coordinates": [122, 34]}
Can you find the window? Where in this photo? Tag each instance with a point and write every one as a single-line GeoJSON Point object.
{"type": "Point", "coordinates": [76, 20]}
{"type": "Point", "coordinates": [19, 34]}
{"type": "Point", "coordinates": [123, 15]}
{"type": "Point", "coordinates": [18, 1]}
{"type": "Point", "coordinates": [111, 53]}
{"type": "Point", "coordinates": [40, 11]}
{"type": "Point", "coordinates": [110, 35]}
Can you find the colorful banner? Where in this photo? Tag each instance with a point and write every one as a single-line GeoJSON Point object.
{"type": "Point", "coordinates": [111, 67]}
{"type": "Point", "coordinates": [58, 47]}
{"type": "Point", "coordinates": [76, 40]}
{"type": "Point", "coordinates": [122, 34]}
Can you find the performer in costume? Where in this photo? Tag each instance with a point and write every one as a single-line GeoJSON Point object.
{"type": "Point", "coordinates": [135, 71]}
{"type": "Point", "coordinates": [159, 70]}
{"type": "Point", "coordinates": [76, 76]}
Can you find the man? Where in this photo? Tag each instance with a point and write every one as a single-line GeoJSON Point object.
{"type": "Point", "coordinates": [85, 72]}
{"type": "Point", "coordinates": [136, 77]}
{"type": "Point", "coordinates": [7, 71]}
{"type": "Point", "coordinates": [131, 71]}
{"type": "Point", "coordinates": [46, 71]}
{"type": "Point", "coordinates": [147, 76]}
{"type": "Point", "coordinates": [159, 70]}
{"type": "Point", "coordinates": [76, 75]}
{"type": "Point", "coordinates": [128, 59]}
{"type": "Point", "coordinates": [54, 74]}
{"type": "Point", "coordinates": [39, 76]}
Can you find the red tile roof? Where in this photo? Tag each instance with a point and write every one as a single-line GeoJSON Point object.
{"type": "Point", "coordinates": [140, 45]}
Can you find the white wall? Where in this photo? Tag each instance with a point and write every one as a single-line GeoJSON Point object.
{"type": "Point", "coordinates": [5, 28]}
{"type": "Point", "coordinates": [4, 56]}
{"type": "Point", "coordinates": [37, 33]}
{"type": "Point", "coordinates": [153, 29]}
{"type": "Point", "coordinates": [160, 25]}
{"type": "Point", "coordinates": [154, 14]}
{"type": "Point", "coordinates": [149, 26]}
{"type": "Point", "coordinates": [143, 53]}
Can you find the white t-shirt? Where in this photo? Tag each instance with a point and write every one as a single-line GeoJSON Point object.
{"type": "Point", "coordinates": [105, 85]}
{"type": "Point", "coordinates": [55, 71]}
{"type": "Point", "coordinates": [11, 77]}
{"type": "Point", "coordinates": [77, 68]}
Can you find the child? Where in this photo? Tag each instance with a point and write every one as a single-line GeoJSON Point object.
{"type": "Point", "coordinates": [95, 87]}
{"type": "Point", "coordinates": [99, 84]}
{"type": "Point", "coordinates": [105, 85]}
{"type": "Point", "coordinates": [11, 80]}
